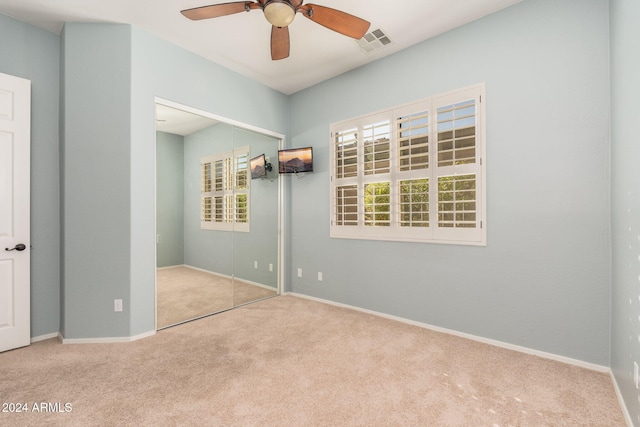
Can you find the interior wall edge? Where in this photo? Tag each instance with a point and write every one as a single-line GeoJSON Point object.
{"type": "Point", "coordinates": [623, 406]}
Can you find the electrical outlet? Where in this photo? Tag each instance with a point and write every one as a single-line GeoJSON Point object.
{"type": "Point", "coordinates": [299, 272]}
{"type": "Point", "coordinates": [270, 267]}
{"type": "Point", "coordinates": [319, 276]}
{"type": "Point", "coordinates": [255, 264]}
{"type": "Point", "coordinates": [117, 305]}
{"type": "Point", "coordinates": [635, 374]}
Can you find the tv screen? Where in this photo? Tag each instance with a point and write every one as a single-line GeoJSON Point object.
{"type": "Point", "coordinates": [258, 167]}
{"type": "Point", "coordinates": [295, 160]}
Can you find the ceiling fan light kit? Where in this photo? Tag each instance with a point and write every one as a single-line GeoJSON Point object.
{"type": "Point", "coordinates": [280, 14]}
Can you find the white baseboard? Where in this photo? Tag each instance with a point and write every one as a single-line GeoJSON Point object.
{"type": "Point", "coordinates": [207, 271]}
{"type": "Point", "coordinates": [171, 266]}
{"type": "Point", "coordinates": [260, 285]}
{"type": "Point", "coordinates": [563, 359]}
{"type": "Point", "coordinates": [44, 337]}
{"type": "Point", "coordinates": [105, 340]}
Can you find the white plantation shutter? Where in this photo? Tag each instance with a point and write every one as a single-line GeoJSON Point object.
{"type": "Point", "coordinates": [225, 191]}
{"type": "Point", "coordinates": [345, 194]}
{"type": "Point", "coordinates": [414, 202]}
{"type": "Point", "coordinates": [458, 167]}
{"type": "Point", "coordinates": [376, 167]}
{"type": "Point", "coordinates": [377, 147]}
{"type": "Point", "coordinates": [346, 153]}
{"type": "Point", "coordinates": [413, 141]}
{"type": "Point", "coordinates": [412, 136]}
{"type": "Point", "coordinates": [207, 210]}
{"type": "Point", "coordinates": [457, 201]}
{"type": "Point", "coordinates": [377, 204]}
{"type": "Point", "coordinates": [456, 133]}
{"type": "Point", "coordinates": [241, 196]}
{"type": "Point", "coordinates": [219, 175]}
{"type": "Point", "coordinates": [346, 205]}
{"type": "Point", "coordinates": [218, 208]}
{"type": "Point", "coordinates": [412, 173]}
{"type": "Point", "coordinates": [206, 215]}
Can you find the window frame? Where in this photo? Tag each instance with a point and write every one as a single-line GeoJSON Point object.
{"type": "Point", "coordinates": [434, 232]}
{"type": "Point", "coordinates": [228, 192]}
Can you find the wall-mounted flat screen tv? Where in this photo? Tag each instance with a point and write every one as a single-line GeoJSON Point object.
{"type": "Point", "coordinates": [295, 160]}
{"type": "Point", "coordinates": [258, 167]}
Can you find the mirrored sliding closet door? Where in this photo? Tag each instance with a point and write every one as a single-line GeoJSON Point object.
{"type": "Point", "coordinates": [217, 215]}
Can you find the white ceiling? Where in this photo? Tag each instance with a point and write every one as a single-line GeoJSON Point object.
{"type": "Point", "coordinates": [240, 42]}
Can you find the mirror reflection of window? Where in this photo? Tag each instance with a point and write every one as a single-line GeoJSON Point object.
{"type": "Point", "coordinates": [224, 193]}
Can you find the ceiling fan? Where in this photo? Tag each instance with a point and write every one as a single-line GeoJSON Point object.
{"type": "Point", "coordinates": [280, 13]}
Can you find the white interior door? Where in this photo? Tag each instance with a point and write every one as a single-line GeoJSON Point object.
{"type": "Point", "coordinates": [15, 151]}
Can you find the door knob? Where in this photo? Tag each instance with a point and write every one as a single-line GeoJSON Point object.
{"type": "Point", "coordinates": [18, 247]}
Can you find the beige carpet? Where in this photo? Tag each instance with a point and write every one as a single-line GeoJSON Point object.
{"type": "Point", "coordinates": [185, 293]}
{"type": "Point", "coordinates": [287, 361]}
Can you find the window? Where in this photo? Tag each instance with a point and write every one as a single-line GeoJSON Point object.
{"type": "Point", "coordinates": [412, 173]}
{"type": "Point", "coordinates": [225, 191]}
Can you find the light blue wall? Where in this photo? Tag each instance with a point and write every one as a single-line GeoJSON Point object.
{"type": "Point", "coordinates": [625, 198]}
{"type": "Point", "coordinates": [34, 54]}
{"type": "Point", "coordinates": [169, 199]}
{"type": "Point", "coordinates": [542, 281]}
{"type": "Point", "coordinates": [96, 176]}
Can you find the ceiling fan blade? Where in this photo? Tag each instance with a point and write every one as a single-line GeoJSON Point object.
{"type": "Point", "coordinates": [217, 10]}
{"type": "Point", "coordinates": [336, 20]}
{"type": "Point", "coordinates": [279, 42]}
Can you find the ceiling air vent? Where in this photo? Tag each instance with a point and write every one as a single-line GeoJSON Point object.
{"type": "Point", "coordinates": [373, 41]}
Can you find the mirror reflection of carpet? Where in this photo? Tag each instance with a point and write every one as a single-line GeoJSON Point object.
{"type": "Point", "coordinates": [185, 293]}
